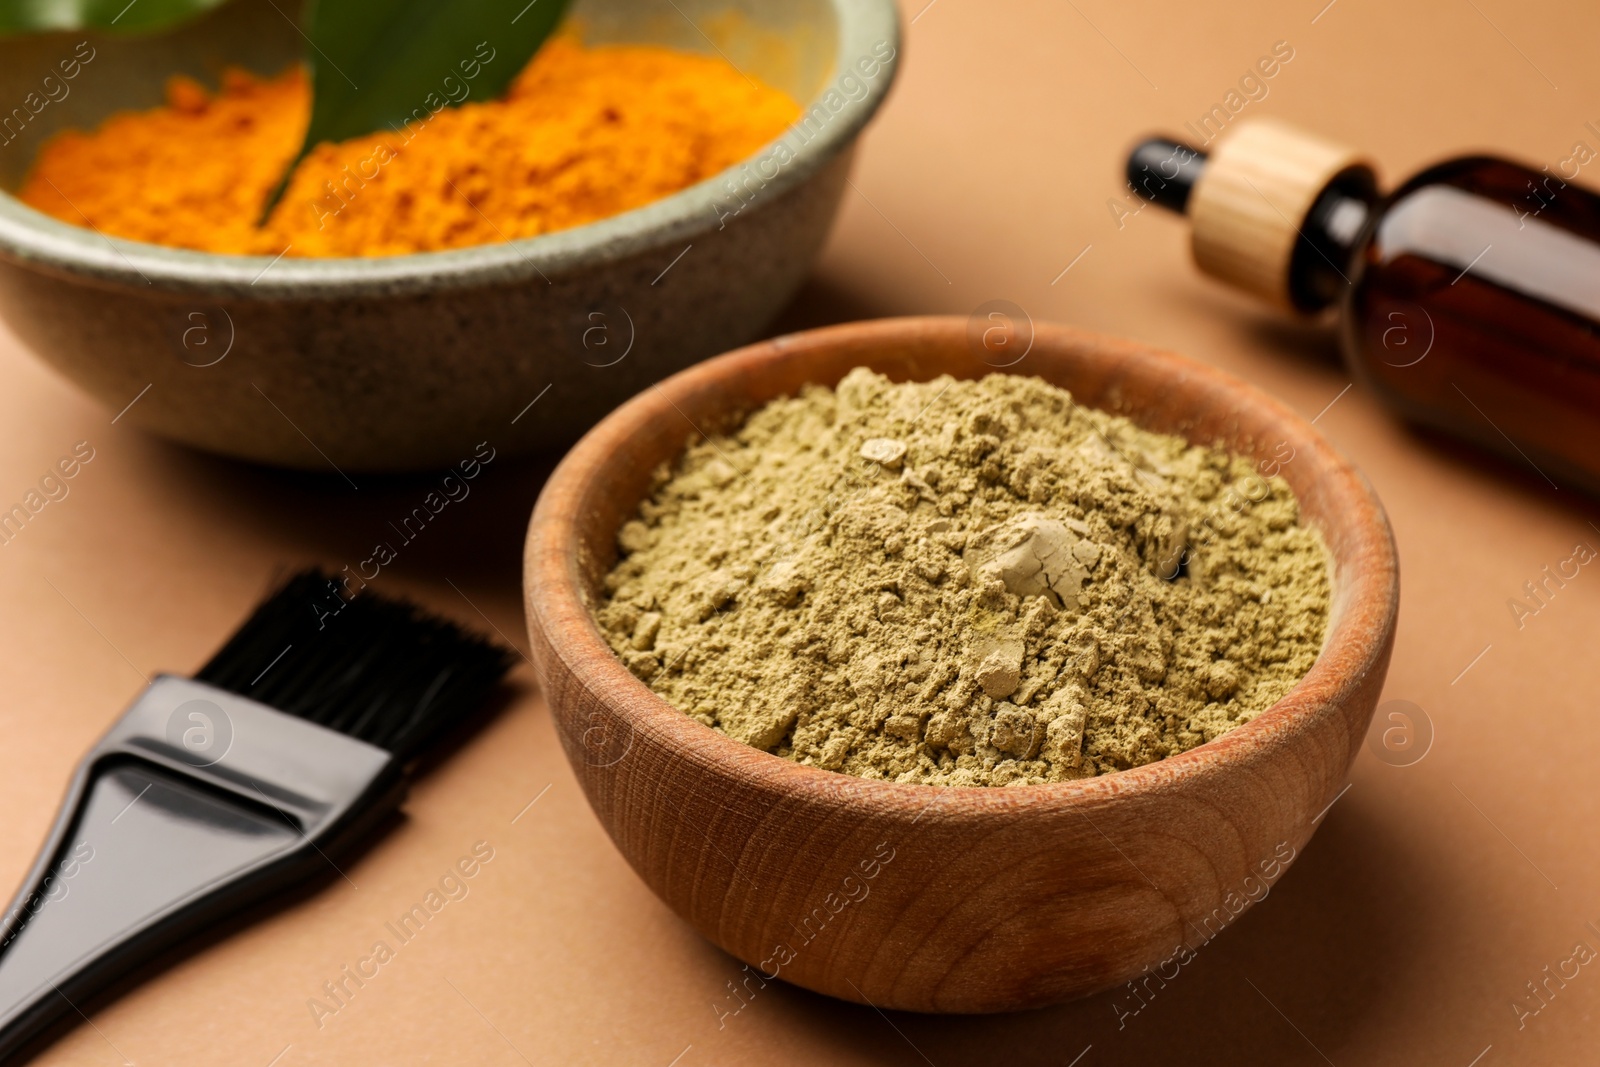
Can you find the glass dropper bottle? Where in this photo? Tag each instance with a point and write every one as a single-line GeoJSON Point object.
{"type": "Point", "coordinates": [1468, 298]}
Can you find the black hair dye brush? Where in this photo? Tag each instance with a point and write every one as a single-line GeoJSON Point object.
{"type": "Point", "coordinates": [284, 753]}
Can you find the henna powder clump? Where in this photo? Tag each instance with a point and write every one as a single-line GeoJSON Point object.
{"type": "Point", "coordinates": [966, 583]}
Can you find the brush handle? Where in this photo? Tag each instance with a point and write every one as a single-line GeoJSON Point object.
{"type": "Point", "coordinates": [159, 838]}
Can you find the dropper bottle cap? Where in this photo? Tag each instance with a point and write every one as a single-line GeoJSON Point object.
{"type": "Point", "coordinates": [1273, 209]}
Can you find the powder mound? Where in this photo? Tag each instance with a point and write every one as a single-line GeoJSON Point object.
{"type": "Point", "coordinates": [582, 134]}
{"type": "Point", "coordinates": [966, 583]}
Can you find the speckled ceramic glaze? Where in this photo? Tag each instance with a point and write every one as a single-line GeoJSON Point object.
{"type": "Point", "coordinates": [408, 361]}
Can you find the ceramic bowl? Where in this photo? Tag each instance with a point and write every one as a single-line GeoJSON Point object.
{"type": "Point", "coordinates": [952, 899]}
{"type": "Point", "coordinates": [409, 361]}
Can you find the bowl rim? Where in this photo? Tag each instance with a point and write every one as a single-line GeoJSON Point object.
{"type": "Point", "coordinates": [561, 625]}
{"type": "Point", "coordinates": [42, 242]}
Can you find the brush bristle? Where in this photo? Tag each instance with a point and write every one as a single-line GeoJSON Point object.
{"type": "Point", "coordinates": [378, 669]}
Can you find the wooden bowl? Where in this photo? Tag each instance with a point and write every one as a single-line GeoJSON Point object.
{"type": "Point", "coordinates": [961, 899]}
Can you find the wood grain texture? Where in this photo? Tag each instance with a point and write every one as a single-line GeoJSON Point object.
{"type": "Point", "coordinates": [1250, 205]}
{"type": "Point", "coordinates": [979, 900]}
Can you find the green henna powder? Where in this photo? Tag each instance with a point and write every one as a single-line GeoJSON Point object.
{"type": "Point", "coordinates": [966, 583]}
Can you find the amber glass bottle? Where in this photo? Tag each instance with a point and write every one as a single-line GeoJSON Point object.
{"type": "Point", "coordinates": [1468, 299]}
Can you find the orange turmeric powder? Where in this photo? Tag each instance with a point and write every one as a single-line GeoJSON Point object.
{"type": "Point", "coordinates": [583, 133]}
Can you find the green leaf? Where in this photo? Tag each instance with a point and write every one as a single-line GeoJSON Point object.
{"type": "Point", "coordinates": [378, 64]}
{"type": "Point", "coordinates": [40, 16]}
